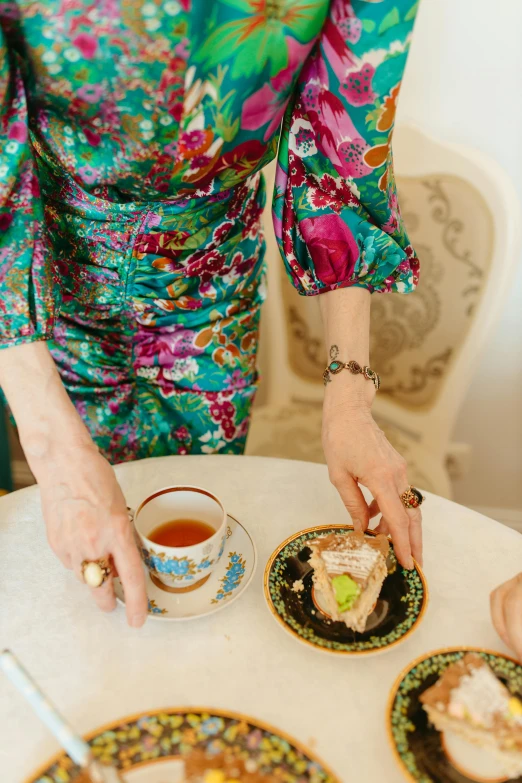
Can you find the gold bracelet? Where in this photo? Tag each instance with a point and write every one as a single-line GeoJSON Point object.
{"type": "Point", "coordinates": [354, 367]}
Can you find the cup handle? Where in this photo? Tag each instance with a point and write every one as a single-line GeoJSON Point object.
{"type": "Point", "coordinates": [132, 514]}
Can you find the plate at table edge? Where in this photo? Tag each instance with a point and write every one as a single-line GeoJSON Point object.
{"type": "Point", "coordinates": [138, 723]}
{"type": "Point", "coordinates": [214, 595]}
{"type": "Point", "coordinates": [445, 651]}
{"type": "Point", "coordinates": [375, 650]}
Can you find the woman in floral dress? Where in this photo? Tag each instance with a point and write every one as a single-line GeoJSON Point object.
{"type": "Point", "coordinates": [132, 137]}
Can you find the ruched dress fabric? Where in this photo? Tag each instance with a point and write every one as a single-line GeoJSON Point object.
{"type": "Point", "coordinates": [132, 139]}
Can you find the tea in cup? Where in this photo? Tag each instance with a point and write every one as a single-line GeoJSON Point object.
{"type": "Point", "coordinates": [182, 533]}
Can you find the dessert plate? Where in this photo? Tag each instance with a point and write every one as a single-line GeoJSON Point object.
{"type": "Point", "coordinates": [147, 748]}
{"type": "Point", "coordinates": [227, 582]}
{"type": "Point", "coordinates": [427, 755]}
{"type": "Point", "coordinates": [299, 608]}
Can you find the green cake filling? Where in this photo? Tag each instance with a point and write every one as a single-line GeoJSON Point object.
{"type": "Point", "coordinates": [346, 591]}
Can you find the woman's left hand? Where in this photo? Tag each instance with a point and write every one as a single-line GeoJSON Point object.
{"type": "Point", "coordinates": [357, 452]}
{"type": "Point", "coordinates": [506, 613]}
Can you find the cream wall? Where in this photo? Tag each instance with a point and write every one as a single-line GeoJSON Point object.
{"type": "Point", "coordinates": [464, 83]}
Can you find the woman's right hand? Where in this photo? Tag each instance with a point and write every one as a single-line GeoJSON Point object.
{"type": "Point", "coordinates": [87, 519]}
{"type": "Point", "coordinates": [83, 506]}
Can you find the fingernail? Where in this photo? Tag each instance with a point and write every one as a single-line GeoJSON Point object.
{"type": "Point", "coordinates": [409, 565]}
{"type": "Point", "coordinates": [137, 620]}
{"type": "Point", "coordinates": [357, 524]}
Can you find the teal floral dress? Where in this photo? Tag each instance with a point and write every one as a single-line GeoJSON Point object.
{"type": "Point", "coordinates": [132, 138]}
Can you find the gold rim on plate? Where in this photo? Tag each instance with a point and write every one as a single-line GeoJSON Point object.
{"type": "Point", "coordinates": [288, 629]}
{"type": "Point", "coordinates": [220, 713]}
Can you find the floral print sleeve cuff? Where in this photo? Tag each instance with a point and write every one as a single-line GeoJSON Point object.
{"type": "Point", "coordinates": [26, 281]}
{"type": "Point", "coordinates": [336, 212]}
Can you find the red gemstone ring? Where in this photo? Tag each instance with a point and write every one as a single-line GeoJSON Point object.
{"type": "Point", "coordinates": [412, 498]}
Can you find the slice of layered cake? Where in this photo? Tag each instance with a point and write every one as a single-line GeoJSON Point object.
{"type": "Point", "coordinates": [349, 569]}
{"type": "Point", "coordinates": [470, 701]}
{"type": "Point", "coordinates": [201, 767]}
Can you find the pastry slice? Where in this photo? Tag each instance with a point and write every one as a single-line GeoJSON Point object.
{"type": "Point", "coordinates": [349, 569]}
{"type": "Point", "coordinates": [470, 701]}
{"type": "Point", "coordinates": [225, 767]}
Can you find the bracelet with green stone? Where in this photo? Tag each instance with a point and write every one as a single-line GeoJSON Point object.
{"type": "Point", "coordinates": [352, 366]}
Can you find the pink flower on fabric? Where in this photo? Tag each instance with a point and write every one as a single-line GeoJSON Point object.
{"type": "Point", "coordinates": [164, 347]}
{"type": "Point", "coordinates": [357, 86]}
{"type": "Point", "coordinates": [350, 27]}
{"type": "Point", "coordinates": [17, 131]}
{"type": "Point", "coordinates": [351, 157]}
{"type": "Point", "coordinates": [332, 246]}
{"type": "Point", "coordinates": [87, 44]}
{"type": "Point", "coordinates": [333, 125]}
{"type": "Point", "coordinates": [91, 93]}
{"type": "Point", "coordinates": [200, 161]}
{"type": "Point", "coordinates": [183, 49]}
{"type": "Point", "coordinates": [171, 149]}
{"type": "Point", "coordinates": [89, 174]}
{"type": "Point", "coordinates": [10, 10]}
{"type": "Point", "coordinates": [391, 225]}
{"type": "Point", "coordinates": [194, 139]}
{"type": "Point", "coordinates": [344, 18]}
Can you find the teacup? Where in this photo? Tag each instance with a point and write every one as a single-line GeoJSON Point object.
{"type": "Point", "coordinates": [180, 569]}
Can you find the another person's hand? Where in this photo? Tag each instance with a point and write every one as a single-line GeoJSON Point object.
{"type": "Point", "coordinates": [357, 451]}
{"type": "Point", "coordinates": [84, 509]}
{"type": "Point", "coordinates": [506, 613]}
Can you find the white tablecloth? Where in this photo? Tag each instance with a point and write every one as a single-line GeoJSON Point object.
{"type": "Point", "coordinates": [97, 669]}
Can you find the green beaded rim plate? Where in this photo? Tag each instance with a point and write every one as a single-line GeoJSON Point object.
{"type": "Point", "coordinates": [399, 610]}
{"type": "Point", "coordinates": [152, 738]}
{"type": "Point", "coordinates": [418, 747]}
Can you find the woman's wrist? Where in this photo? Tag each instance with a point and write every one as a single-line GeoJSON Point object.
{"type": "Point", "coordinates": [346, 321]}
{"type": "Point", "coordinates": [347, 392]}
{"type": "Point", "coordinates": [47, 422]}
{"type": "Point", "coordinates": [48, 439]}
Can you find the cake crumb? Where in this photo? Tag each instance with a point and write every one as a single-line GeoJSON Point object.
{"type": "Point", "coordinates": [298, 586]}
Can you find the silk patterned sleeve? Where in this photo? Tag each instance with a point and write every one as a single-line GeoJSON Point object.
{"type": "Point", "coordinates": [26, 280]}
{"type": "Point", "coordinates": [336, 213]}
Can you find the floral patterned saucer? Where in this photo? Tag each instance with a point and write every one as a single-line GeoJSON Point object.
{"type": "Point", "coordinates": [147, 748]}
{"type": "Point", "coordinates": [398, 612]}
{"type": "Point", "coordinates": [426, 755]}
{"type": "Point", "coordinates": [231, 577]}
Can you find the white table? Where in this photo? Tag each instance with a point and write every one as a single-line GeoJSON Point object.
{"type": "Point", "coordinates": [97, 669]}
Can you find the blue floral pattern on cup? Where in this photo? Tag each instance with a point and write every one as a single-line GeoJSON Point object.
{"type": "Point", "coordinates": [179, 568]}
